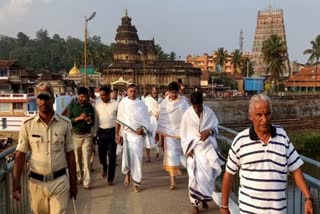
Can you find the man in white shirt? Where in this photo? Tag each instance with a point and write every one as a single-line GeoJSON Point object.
{"type": "Point", "coordinates": [153, 103]}
{"type": "Point", "coordinates": [106, 114]}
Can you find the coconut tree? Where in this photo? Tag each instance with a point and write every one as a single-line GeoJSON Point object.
{"type": "Point", "coordinates": [236, 60]}
{"type": "Point", "coordinates": [274, 51]}
{"type": "Point", "coordinates": [220, 57]}
{"type": "Point", "coordinates": [247, 67]}
{"type": "Point", "coordinates": [314, 53]}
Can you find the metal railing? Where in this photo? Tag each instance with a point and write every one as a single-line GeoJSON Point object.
{"type": "Point", "coordinates": [7, 203]}
{"type": "Point", "coordinates": [226, 135]}
{"type": "Point", "coordinates": [295, 198]}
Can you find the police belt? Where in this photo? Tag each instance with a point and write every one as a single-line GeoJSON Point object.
{"type": "Point", "coordinates": [48, 177]}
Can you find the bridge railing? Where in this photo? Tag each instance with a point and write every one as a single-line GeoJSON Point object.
{"type": "Point", "coordinates": [7, 203]}
{"type": "Point", "coordinates": [295, 202]}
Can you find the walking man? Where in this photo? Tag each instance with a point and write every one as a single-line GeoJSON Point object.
{"type": "Point", "coordinates": [47, 136]}
{"type": "Point", "coordinates": [134, 117]}
{"type": "Point", "coordinates": [264, 155]}
{"type": "Point", "coordinates": [171, 110]}
{"type": "Point", "coordinates": [198, 131]}
{"type": "Point", "coordinates": [153, 103]}
{"type": "Point", "coordinates": [81, 114]}
{"type": "Point", "coordinates": [106, 115]}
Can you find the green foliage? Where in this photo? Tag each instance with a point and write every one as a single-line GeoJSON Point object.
{"type": "Point", "coordinates": [274, 52]}
{"type": "Point", "coordinates": [247, 67]}
{"type": "Point", "coordinates": [306, 141]}
{"type": "Point", "coordinates": [236, 60]}
{"type": "Point", "coordinates": [220, 57]}
{"type": "Point", "coordinates": [56, 53]}
{"type": "Point", "coordinates": [314, 51]}
{"type": "Point", "coordinates": [164, 56]}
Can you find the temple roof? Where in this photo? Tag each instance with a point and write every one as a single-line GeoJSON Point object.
{"type": "Point", "coordinates": [74, 70]}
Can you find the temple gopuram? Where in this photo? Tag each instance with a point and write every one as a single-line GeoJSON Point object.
{"type": "Point", "coordinates": [136, 61]}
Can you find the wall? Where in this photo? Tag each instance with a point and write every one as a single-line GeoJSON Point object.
{"type": "Point", "coordinates": [235, 111]}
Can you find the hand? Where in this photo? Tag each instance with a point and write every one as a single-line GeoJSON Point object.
{"type": "Point", "coordinates": [308, 207]}
{"type": "Point", "coordinates": [81, 117]}
{"type": "Point", "coordinates": [224, 211]}
{"type": "Point", "coordinates": [190, 154]}
{"type": "Point", "coordinates": [119, 139]}
{"type": "Point", "coordinates": [204, 134]}
{"type": "Point", "coordinates": [73, 191]}
{"type": "Point", "coordinates": [139, 131]}
{"type": "Point", "coordinates": [17, 193]}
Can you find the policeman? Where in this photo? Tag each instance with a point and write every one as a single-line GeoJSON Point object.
{"type": "Point", "coordinates": [47, 136]}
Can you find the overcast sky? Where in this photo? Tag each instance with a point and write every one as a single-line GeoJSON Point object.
{"type": "Point", "coordinates": [184, 26]}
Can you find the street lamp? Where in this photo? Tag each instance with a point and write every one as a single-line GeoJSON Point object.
{"type": "Point", "coordinates": [85, 47]}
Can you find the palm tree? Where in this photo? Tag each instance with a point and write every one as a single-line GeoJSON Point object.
{"type": "Point", "coordinates": [314, 55]}
{"type": "Point", "coordinates": [236, 60]}
{"type": "Point", "coordinates": [247, 67]}
{"type": "Point", "coordinates": [220, 57]}
{"type": "Point", "coordinates": [274, 51]}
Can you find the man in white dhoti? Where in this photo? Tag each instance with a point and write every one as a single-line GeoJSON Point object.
{"type": "Point", "coordinates": [171, 111]}
{"type": "Point", "coordinates": [134, 117]}
{"type": "Point", "coordinates": [153, 103]}
{"type": "Point", "coordinates": [198, 131]}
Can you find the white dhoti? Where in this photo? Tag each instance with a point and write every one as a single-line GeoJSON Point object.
{"type": "Point", "coordinates": [132, 115]}
{"type": "Point", "coordinates": [132, 156]}
{"type": "Point", "coordinates": [169, 126]}
{"type": "Point", "coordinates": [205, 164]}
{"type": "Point", "coordinates": [172, 154]}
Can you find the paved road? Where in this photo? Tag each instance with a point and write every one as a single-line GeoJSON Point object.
{"type": "Point", "coordinates": [155, 196]}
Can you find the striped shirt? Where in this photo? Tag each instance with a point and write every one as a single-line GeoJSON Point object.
{"type": "Point", "coordinates": [263, 170]}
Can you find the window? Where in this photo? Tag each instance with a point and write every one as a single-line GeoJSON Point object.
{"type": "Point", "coordinates": [4, 107]}
{"type": "Point", "coordinates": [17, 106]}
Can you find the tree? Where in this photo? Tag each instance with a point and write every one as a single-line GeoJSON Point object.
{"type": "Point", "coordinates": [247, 67]}
{"type": "Point", "coordinates": [236, 60]}
{"type": "Point", "coordinates": [172, 56]}
{"type": "Point", "coordinates": [274, 53]}
{"type": "Point", "coordinates": [220, 57]}
{"type": "Point", "coordinates": [314, 53]}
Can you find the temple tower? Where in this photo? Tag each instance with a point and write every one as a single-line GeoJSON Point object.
{"type": "Point", "coordinates": [269, 21]}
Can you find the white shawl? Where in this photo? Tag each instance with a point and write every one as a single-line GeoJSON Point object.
{"type": "Point", "coordinates": [170, 116]}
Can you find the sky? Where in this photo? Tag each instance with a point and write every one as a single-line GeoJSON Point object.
{"type": "Point", "coordinates": [183, 26]}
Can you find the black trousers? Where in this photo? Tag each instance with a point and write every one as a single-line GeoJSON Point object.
{"type": "Point", "coordinates": [107, 146]}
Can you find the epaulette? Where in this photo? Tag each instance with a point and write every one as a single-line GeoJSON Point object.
{"type": "Point", "coordinates": [64, 118]}
{"type": "Point", "coordinates": [29, 118]}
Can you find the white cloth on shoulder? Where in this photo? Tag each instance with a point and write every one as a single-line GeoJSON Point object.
{"type": "Point", "coordinates": [205, 165]}
{"type": "Point", "coordinates": [133, 114]}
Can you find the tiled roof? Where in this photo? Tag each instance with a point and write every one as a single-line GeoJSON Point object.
{"type": "Point", "coordinates": [306, 77]}
{"type": "Point", "coordinates": [7, 63]}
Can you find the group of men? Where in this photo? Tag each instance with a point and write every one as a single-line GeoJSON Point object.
{"type": "Point", "coordinates": [62, 146]}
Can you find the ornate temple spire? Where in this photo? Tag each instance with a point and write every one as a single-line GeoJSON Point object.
{"type": "Point", "coordinates": [126, 12]}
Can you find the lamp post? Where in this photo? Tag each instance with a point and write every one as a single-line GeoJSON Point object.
{"type": "Point", "coordinates": [85, 47]}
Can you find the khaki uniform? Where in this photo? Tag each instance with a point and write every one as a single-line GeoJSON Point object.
{"type": "Point", "coordinates": [48, 146]}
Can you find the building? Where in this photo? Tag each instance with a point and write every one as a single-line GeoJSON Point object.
{"type": "Point", "coordinates": [307, 79]}
{"type": "Point", "coordinates": [206, 62]}
{"type": "Point", "coordinates": [136, 61]}
{"type": "Point", "coordinates": [78, 76]}
{"type": "Point", "coordinates": [269, 21]}
{"type": "Point", "coordinates": [14, 79]}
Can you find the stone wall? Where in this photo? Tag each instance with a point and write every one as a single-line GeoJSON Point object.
{"type": "Point", "coordinates": [236, 111]}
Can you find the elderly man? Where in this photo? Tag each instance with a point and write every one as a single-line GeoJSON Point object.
{"type": "Point", "coordinates": [171, 111]}
{"type": "Point", "coordinates": [198, 131]}
{"type": "Point", "coordinates": [134, 117]}
{"type": "Point", "coordinates": [47, 136]}
{"type": "Point", "coordinates": [264, 155]}
{"type": "Point", "coordinates": [81, 114]}
{"type": "Point", "coordinates": [153, 103]}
